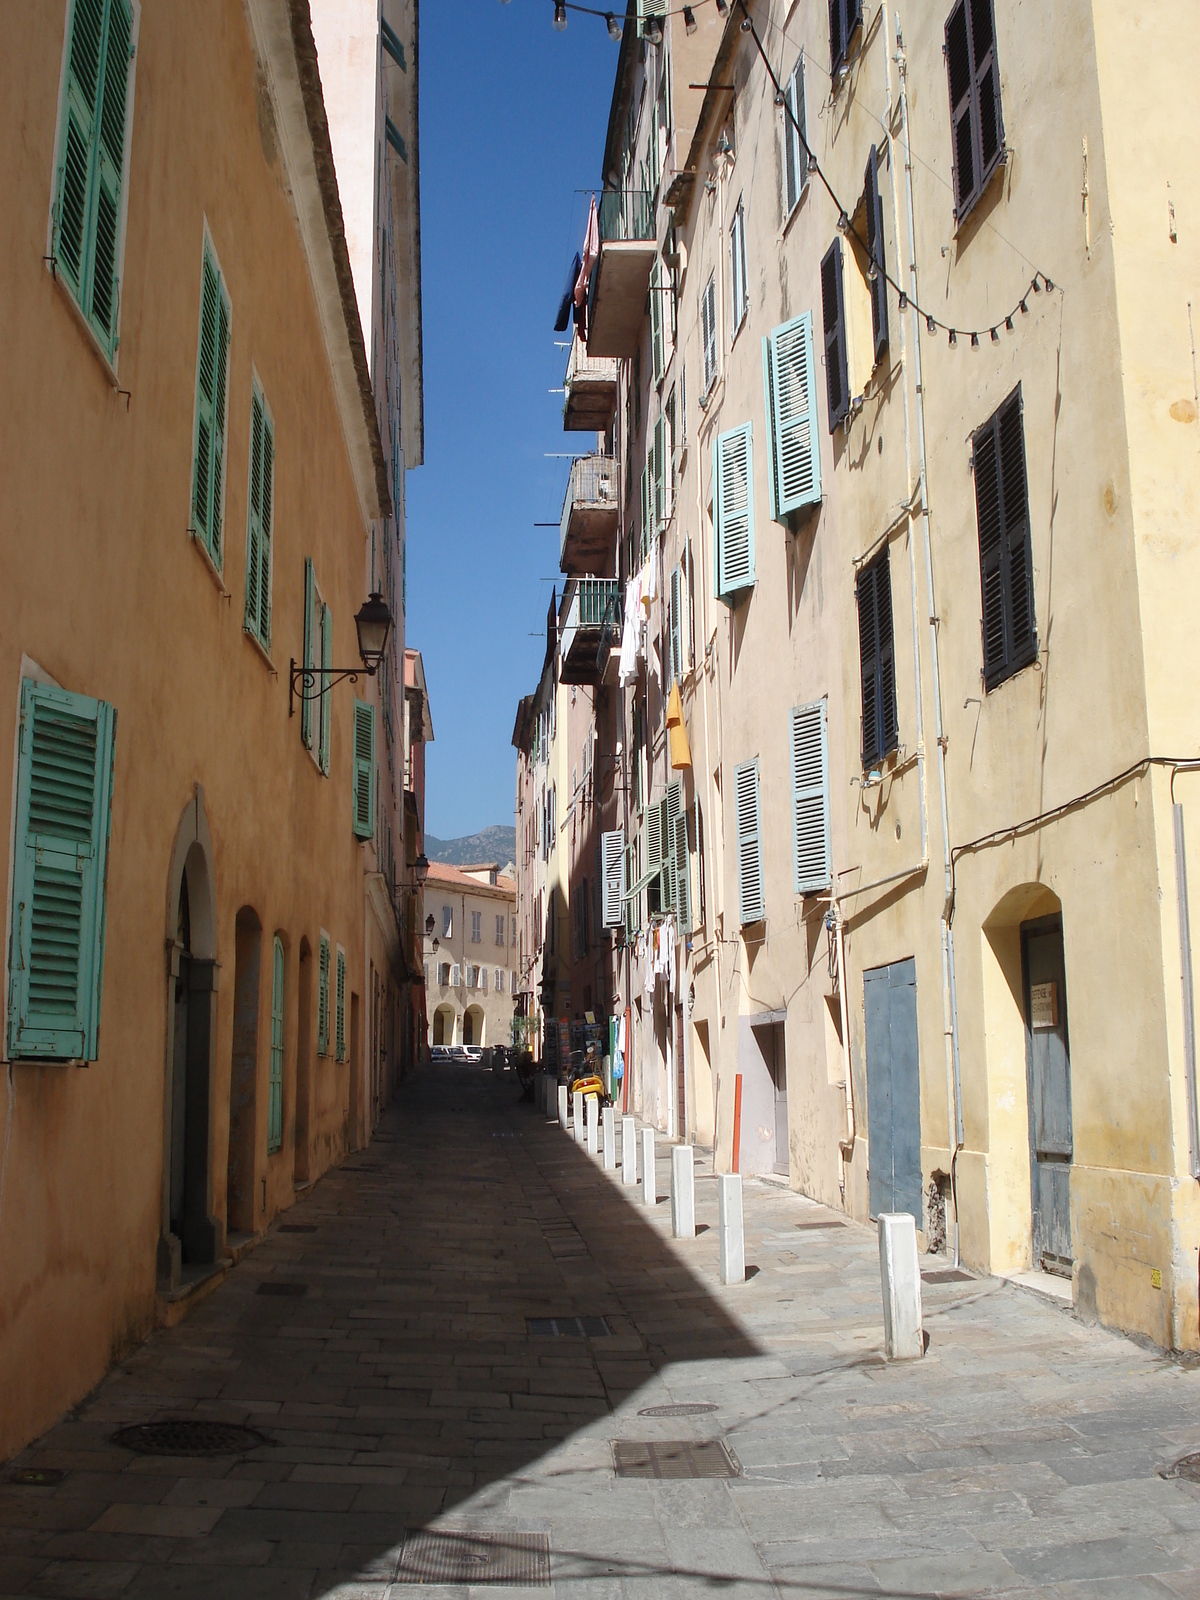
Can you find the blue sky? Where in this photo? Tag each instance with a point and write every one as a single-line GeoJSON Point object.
{"type": "Point", "coordinates": [513, 117]}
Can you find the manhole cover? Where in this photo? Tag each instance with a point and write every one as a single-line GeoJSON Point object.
{"type": "Point", "coordinates": [567, 1327]}
{"type": "Point", "coordinates": [946, 1275]}
{"type": "Point", "coordinates": [38, 1477]}
{"type": "Point", "coordinates": [474, 1558]}
{"type": "Point", "coordinates": [675, 1458]}
{"type": "Point", "coordinates": [1186, 1467]}
{"type": "Point", "coordinates": [297, 1227]}
{"type": "Point", "coordinates": [685, 1408]}
{"type": "Point", "coordinates": [189, 1436]}
{"type": "Point", "coordinates": [280, 1287]}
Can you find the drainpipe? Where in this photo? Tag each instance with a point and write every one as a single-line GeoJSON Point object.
{"type": "Point", "coordinates": [949, 987]}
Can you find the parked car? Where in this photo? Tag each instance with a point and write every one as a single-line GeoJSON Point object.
{"type": "Point", "coordinates": [440, 1054]}
{"type": "Point", "coordinates": [472, 1054]}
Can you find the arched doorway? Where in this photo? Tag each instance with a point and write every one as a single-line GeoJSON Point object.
{"type": "Point", "coordinates": [240, 1208]}
{"type": "Point", "coordinates": [443, 1025]}
{"type": "Point", "coordinates": [190, 1235]}
{"type": "Point", "coordinates": [473, 1025]}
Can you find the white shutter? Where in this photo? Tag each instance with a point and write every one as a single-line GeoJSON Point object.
{"type": "Point", "coordinates": [810, 797]}
{"type": "Point", "coordinates": [749, 843]}
{"type": "Point", "coordinates": [612, 848]}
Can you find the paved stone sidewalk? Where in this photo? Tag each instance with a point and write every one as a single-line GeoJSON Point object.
{"type": "Point", "coordinates": [404, 1388]}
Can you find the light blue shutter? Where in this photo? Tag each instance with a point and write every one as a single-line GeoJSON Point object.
{"type": "Point", "coordinates": [749, 843]}
{"type": "Point", "coordinates": [810, 797]}
{"type": "Point", "coordinates": [109, 176]}
{"type": "Point", "coordinates": [326, 687]}
{"type": "Point", "coordinates": [275, 1082]}
{"type": "Point", "coordinates": [789, 373]}
{"type": "Point", "coordinates": [672, 809]}
{"type": "Point", "coordinates": [656, 320]}
{"type": "Point", "coordinates": [64, 799]}
{"type": "Point", "coordinates": [323, 999]}
{"type": "Point", "coordinates": [675, 611]}
{"type": "Point", "coordinates": [364, 769]}
{"type": "Point", "coordinates": [212, 377]}
{"type": "Point", "coordinates": [612, 854]}
{"type": "Point", "coordinates": [683, 875]}
{"type": "Point", "coordinates": [306, 704]}
{"type": "Point", "coordinates": [340, 1040]}
{"type": "Point", "coordinates": [733, 510]}
{"type": "Point", "coordinates": [254, 515]}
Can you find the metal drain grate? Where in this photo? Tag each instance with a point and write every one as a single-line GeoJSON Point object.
{"type": "Point", "coordinates": [520, 1559]}
{"type": "Point", "coordinates": [684, 1408]}
{"type": "Point", "coordinates": [1186, 1467]}
{"type": "Point", "coordinates": [833, 1223]}
{"type": "Point", "coordinates": [189, 1436]}
{"type": "Point", "coordinates": [38, 1477]}
{"type": "Point", "coordinates": [297, 1227]}
{"type": "Point", "coordinates": [281, 1287]}
{"type": "Point", "coordinates": [674, 1458]}
{"type": "Point", "coordinates": [567, 1327]}
{"type": "Point", "coordinates": [946, 1275]}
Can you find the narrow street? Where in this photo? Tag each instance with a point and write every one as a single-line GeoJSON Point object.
{"type": "Point", "coordinates": [384, 1342]}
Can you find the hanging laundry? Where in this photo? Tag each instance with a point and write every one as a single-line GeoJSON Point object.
{"type": "Point", "coordinates": [630, 635]}
{"type": "Point", "coordinates": [591, 249]}
{"type": "Point", "coordinates": [681, 755]}
{"type": "Point", "coordinates": [568, 298]}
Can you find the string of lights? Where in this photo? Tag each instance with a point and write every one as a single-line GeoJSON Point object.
{"type": "Point", "coordinates": [652, 26]}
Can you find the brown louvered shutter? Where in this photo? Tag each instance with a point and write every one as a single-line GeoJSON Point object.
{"type": "Point", "coordinates": [834, 320]}
{"type": "Point", "coordinates": [877, 660]}
{"type": "Point", "coordinates": [975, 111]}
{"type": "Point", "coordinates": [868, 659]}
{"type": "Point", "coordinates": [844, 17]}
{"type": "Point", "coordinates": [1005, 555]}
{"type": "Point", "coordinates": [879, 302]}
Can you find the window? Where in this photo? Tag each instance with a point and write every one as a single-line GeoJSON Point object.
{"type": "Point", "coordinates": [212, 379]}
{"type": "Point", "coordinates": [739, 290]}
{"type": "Point", "coordinates": [682, 874]}
{"type": "Point", "coordinates": [60, 855]}
{"type": "Point", "coordinates": [476, 926]}
{"type": "Point", "coordinates": [749, 844]}
{"type": "Point", "coordinates": [340, 1030]}
{"type": "Point", "coordinates": [499, 983]}
{"type": "Point", "coordinates": [877, 659]}
{"type": "Point", "coordinates": [96, 117]}
{"type": "Point", "coordinates": [790, 378]}
{"type": "Point", "coordinates": [733, 511]}
{"type": "Point", "coordinates": [318, 635]}
{"type": "Point", "coordinates": [323, 997]}
{"type": "Point", "coordinates": [810, 798]}
{"type": "Point", "coordinates": [876, 261]}
{"type": "Point", "coordinates": [976, 121]}
{"type": "Point", "coordinates": [260, 500]}
{"type": "Point", "coordinates": [657, 294]}
{"type": "Point", "coordinates": [500, 929]}
{"type": "Point", "coordinates": [708, 331]}
{"type": "Point", "coordinates": [675, 627]}
{"type": "Point", "coordinates": [844, 17]}
{"type": "Point", "coordinates": [447, 922]}
{"type": "Point", "coordinates": [833, 307]}
{"type": "Point", "coordinates": [456, 976]}
{"type": "Point", "coordinates": [513, 938]}
{"type": "Point", "coordinates": [364, 769]}
{"type": "Point", "coordinates": [275, 1081]}
{"type": "Point", "coordinates": [443, 973]}
{"type": "Point", "coordinates": [612, 851]}
{"type": "Point", "coordinates": [1005, 551]}
{"type": "Point", "coordinates": [795, 155]}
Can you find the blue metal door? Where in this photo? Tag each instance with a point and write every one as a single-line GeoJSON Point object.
{"type": "Point", "coordinates": [1048, 1066]}
{"type": "Point", "coordinates": [893, 1089]}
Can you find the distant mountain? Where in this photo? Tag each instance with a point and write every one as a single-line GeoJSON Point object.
{"type": "Point", "coordinates": [497, 844]}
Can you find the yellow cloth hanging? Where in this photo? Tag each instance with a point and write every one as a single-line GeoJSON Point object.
{"type": "Point", "coordinates": [681, 755]}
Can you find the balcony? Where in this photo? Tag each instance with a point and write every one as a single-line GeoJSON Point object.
{"type": "Point", "coordinates": [591, 630]}
{"type": "Point", "coordinates": [591, 385]}
{"type": "Point", "coordinates": [589, 516]}
{"type": "Point", "coordinates": [621, 277]}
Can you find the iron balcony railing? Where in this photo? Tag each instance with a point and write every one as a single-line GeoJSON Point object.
{"type": "Point", "coordinates": [592, 602]}
{"type": "Point", "coordinates": [594, 484]}
{"type": "Point", "coordinates": [626, 214]}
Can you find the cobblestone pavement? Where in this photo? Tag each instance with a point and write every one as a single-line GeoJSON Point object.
{"type": "Point", "coordinates": [399, 1385]}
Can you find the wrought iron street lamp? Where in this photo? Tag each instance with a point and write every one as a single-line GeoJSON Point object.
{"type": "Point", "coordinates": [373, 625]}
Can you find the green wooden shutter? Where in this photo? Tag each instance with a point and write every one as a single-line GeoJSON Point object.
{"type": "Point", "coordinates": [254, 515]}
{"type": "Point", "coordinates": [672, 809]}
{"type": "Point", "coordinates": [364, 769]}
{"type": "Point", "coordinates": [790, 377]}
{"type": "Point", "coordinates": [653, 839]}
{"type": "Point", "coordinates": [340, 1040]}
{"type": "Point", "coordinates": [675, 619]}
{"type": "Point", "coordinates": [212, 376]}
{"type": "Point", "coordinates": [875, 254]}
{"type": "Point", "coordinates": [323, 998]}
{"type": "Point", "coordinates": [326, 689]}
{"type": "Point", "coordinates": [656, 320]}
{"type": "Point", "coordinates": [64, 800]}
{"type": "Point", "coordinates": [733, 511]}
{"type": "Point", "coordinates": [749, 844]}
{"type": "Point", "coordinates": [75, 161]}
{"type": "Point", "coordinates": [683, 875]}
{"type": "Point", "coordinates": [810, 798]}
{"type": "Point", "coordinates": [110, 176]}
{"type": "Point", "coordinates": [309, 660]}
{"type": "Point", "coordinates": [275, 1095]}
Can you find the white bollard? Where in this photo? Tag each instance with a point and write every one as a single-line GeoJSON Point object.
{"type": "Point", "coordinates": [683, 1192]}
{"type": "Point", "coordinates": [628, 1150]}
{"type": "Point", "coordinates": [729, 1225]}
{"type": "Point", "coordinates": [577, 1116]}
{"type": "Point", "coordinates": [592, 1111]}
{"type": "Point", "coordinates": [900, 1272]}
{"type": "Point", "coordinates": [649, 1196]}
{"type": "Point", "coordinates": [610, 1142]}
{"type": "Point", "coordinates": [562, 1106]}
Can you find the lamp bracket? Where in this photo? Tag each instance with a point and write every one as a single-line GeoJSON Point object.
{"type": "Point", "coordinates": [303, 684]}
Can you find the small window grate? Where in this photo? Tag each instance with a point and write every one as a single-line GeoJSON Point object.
{"type": "Point", "coordinates": [567, 1327]}
{"type": "Point", "coordinates": [674, 1458]}
{"type": "Point", "coordinates": [189, 1436]}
